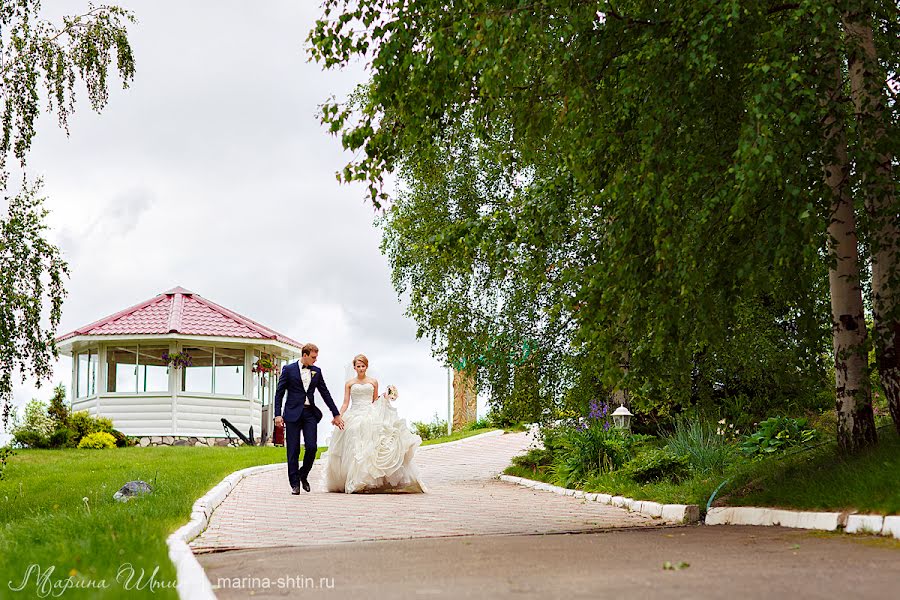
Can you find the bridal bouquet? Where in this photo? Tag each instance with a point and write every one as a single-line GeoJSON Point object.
{"type": "Point", "coordinates": [391, 393]}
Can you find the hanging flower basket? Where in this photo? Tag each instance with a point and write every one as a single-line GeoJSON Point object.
{"type": "Point", "coordinates": [264, 366]}
{"type": "Point", "coordinates": [178, 359]}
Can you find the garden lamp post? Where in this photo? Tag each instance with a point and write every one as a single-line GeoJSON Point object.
{"type": "Point", "coordinates": [622, 417]}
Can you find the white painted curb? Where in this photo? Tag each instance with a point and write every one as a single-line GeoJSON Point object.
{"type": "Point", "coordinates": [192, 581]}
{"type": "Point", "coordinates": [823, 521]}
{"type": "Point", "coordinates": [670, 513]}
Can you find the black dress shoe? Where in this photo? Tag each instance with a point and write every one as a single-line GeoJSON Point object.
{"type": "Point", "coordinates": [305, 485]}
{"type": "Point", "coordinates": [295, 490]}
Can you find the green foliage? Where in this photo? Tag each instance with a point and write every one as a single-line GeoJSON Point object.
{"type": "Point", "coordinates": [84, 424]}
{"type": "Point", "coordinates": [634, 184]}
{"type": "Point", "coordinates": [99, 440]}
{"type": "Point", "coordinates": [36, 419]}
{"type": "Point", "coordinates": [482, 423]}
{"type": "Point", "coordinates": [27, 438]}
{"type": "Point", "coordinates": [63, 437]}
{"type": "Point", "coordinates": [42, 66]}
{"type": "Point", "coordinates": [579, 453]}
{"type": "Point", "coordinates": [706, 448]}
{"type": "Point", "coordinates": [654, 464]}
{"type": "Point", "coordinates": [429, 431]}
{"type": "Point", "coordinates": [5, 453]}
{"type": "Point", "coordinates": [777, 434]}
{"type": "Point", "coordinates": [534, 459]}
{"type": "Point", "coordinates": [58, 411]}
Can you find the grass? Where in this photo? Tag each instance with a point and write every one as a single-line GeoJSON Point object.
{"type": "Point", "coordinates": [817, 479]}
{"type": "Point", "coordinates": [45, 520]}
{"type": "Point", "coordinates": [457, 435]}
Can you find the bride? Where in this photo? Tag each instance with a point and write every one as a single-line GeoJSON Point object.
{"type": "Point", "coordinates": [374, 451]}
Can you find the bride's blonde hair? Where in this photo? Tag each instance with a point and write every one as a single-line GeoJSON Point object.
{"type": "Point", "coordinates": [361, 358]}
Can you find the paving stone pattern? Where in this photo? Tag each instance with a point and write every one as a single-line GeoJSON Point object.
{"type": "Point", "coordinates": [465, 498]}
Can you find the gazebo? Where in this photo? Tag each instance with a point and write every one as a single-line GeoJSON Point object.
{"type": "Point", "coordinates": [169, 369]}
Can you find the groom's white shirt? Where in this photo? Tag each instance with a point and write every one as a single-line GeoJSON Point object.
{"type": "Point", "coordinates": [306, 376]}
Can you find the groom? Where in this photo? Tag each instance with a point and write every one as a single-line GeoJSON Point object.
{"type": "Point", "coordinates": [301, 380]}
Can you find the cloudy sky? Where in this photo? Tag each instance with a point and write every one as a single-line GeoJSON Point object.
{"type": "Point", "coordinates": [212, 172]}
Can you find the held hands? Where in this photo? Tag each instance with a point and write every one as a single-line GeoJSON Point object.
{"type": "Point", "coordinates": [338, 422]}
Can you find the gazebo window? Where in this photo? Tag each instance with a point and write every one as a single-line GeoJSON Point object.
{"type": "Point", "coordinates": [214, 371]}
{"type": "Point", "coordinates": [264, 383]}
{"type": "Point", "coordinates": [86, 373]}
{"type": "Point", "coordinates": [121, 369]}
{"type": "Point", "coordinates": [198, 377]}
{"type": "Point", "coordinates": [153, 371]}
{"type": "Point", "coordinates": [229, 376]}
{"type": "Point", "coordinates": [134, 369]}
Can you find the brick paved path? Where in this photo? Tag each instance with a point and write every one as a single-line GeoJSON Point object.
{"type": "Point", "coordinates": [465, 498]}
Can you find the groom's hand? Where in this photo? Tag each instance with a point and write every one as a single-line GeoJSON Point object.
{"type": "Point", "coordinates": [338, 422]}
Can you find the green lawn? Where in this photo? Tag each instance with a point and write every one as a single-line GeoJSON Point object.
{"type": "Point", "coordinates": [45, 521]}
{"type": "Point", "coordinates": [819, 479]}
{"type": "Point", "coordinates": [456, 435]}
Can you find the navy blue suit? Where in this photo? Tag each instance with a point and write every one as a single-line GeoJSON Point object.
{"type": "Point", "coordinates": [299, 417]}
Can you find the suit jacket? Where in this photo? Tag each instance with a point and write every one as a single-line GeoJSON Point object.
{"type": "Point", "coordinates": [291, 383]}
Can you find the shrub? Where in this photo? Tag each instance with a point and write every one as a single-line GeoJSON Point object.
{"type": "Point", "coordinates": [122, 440]}
{"type": "Point", "coordinates": [430, 431]}
{"type": "Point", "coordinates": [482, 423]}
{"type": "Point", "coordinates": [99, 440]}
{"type": "Point", "coordinates": [36, 426]}
{"type": "Point", "coordinates": [586, 451]}
{"type": "Point", "coordinates": [62, 438]}
{"type": "Point", "coordinates": [706, 448]}
{"type": "Point", "coordinates": [27, 438]}
{"type": "Point", "coordinates": [534, 458]}
{"type": "Point", "coordinates": [655, 464]}
{"type": "Point", "coordinates": [84, 424]}
{"type": "Point", "coordinates": [58, 411]}
{"type": "Point", "coordinates": [777, 434]}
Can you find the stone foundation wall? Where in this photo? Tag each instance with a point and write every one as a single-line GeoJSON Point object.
{"type": "Point", "coordinates": [180, 440]}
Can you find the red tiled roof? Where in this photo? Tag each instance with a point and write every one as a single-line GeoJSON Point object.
{"type": "Point", "coordinates": [179, 311]}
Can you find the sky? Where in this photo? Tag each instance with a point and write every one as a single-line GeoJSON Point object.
{"type": "Point", "coordinates": [213, 173]}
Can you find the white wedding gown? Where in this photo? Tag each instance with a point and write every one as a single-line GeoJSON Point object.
{"type": "Point", "coordinates": [374, 452]}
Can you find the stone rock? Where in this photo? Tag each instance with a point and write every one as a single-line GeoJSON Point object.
{"type": "Point", "coordinates": [199, 444]}
{"type": "Point", "coordinates": [604, 498]}
{"type": "Point", "coordinates": [193, 441]}
{"type": "Point", "coordinates": [222, 442]}
{"type": "Point", "coordinates": [156, 440]}
{"type": "Point", "coordinates": [131, 490]}
{"type": "Point", "coordinates": [180, 442]}
{"type": "Point", "coordinates": [145, 441]}
{"type": "Point", "coordinates": [168, 440]}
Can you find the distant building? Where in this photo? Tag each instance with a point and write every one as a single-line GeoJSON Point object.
{"type": "Point", "coordinates": [122, 368]}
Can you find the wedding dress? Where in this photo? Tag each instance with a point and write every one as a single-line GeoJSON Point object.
{"type": "Point", "coordinates": [375, 450]}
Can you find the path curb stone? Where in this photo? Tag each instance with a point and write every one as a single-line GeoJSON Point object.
{"type": "Point", "coordinates": [823, 521]}
{"type": "Point", "coordinates": [670, 513]}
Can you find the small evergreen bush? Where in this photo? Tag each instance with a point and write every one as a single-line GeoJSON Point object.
{"type": "Point", "coordinates": [99, 440]}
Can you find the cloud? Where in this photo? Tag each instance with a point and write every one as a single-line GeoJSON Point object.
{"type": "Point", "coordinates": [213, 173]}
